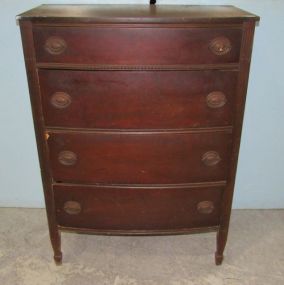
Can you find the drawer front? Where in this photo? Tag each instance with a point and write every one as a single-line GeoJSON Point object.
{"type": "Point", "coordinates": [137, 99]}
{"type": "Point", "coordinates": [147, 158]}
{"type": "Point", "coordinates": [137, 208]}
{"type": "Point", "coordinates": [137, 46]}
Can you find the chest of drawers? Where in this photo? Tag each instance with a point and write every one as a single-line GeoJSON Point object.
{"type": "Point", "coordinates": [138, 114]}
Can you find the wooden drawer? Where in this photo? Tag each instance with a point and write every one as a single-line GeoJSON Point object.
{"type": "Point", "coordinates": [137, 99]}
{"type": "Point", "coordinates": [137, 46]}
{"type": "Point", "coordinates": [126, 208]}
{"type": "Point", "coordinates": [139, 158]}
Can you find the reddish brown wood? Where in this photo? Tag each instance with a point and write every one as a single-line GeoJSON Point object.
{"type": "Point", "coordinates": [110, 67]}
{"type": "Point", "coordinates": [160, 158]}
{"type": "Point", "coordinates": [134, 108]}
{"type": "Point", "coordinates": [137, 208]}
{"type": "Point", "coordinates": [136, 46]}
{"type": "Point", "coordinates": [138, 99]}
{"type": "Point", "coordinates": [247, 43]}
{"type": "Point", "coordinates": [32, 76]}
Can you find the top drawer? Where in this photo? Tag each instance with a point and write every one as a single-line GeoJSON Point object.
{"type": "Point", "coordinates": [137, 46]}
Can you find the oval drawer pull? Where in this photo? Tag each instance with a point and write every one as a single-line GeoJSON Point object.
{"type": "Point", "coordinates": [67, 157]}
{"type": "Point", "coordinates": [220, 46]}
{"type": "Point", "coordinates": [205, 207]}
{"type": "Point", "coordinates": [216, 99]}
{"type": "Point", "coordinates": [72, 207]}
{"type": "Point", "coordinates": [60, 100]}
{"type": "Point", "coordinates": [55, 45]}
{"type": "Point", "coordinates": [211, 158]}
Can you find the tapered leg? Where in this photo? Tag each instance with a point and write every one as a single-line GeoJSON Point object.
{"type": "Point", "coordinates": [55, 238]}
{"type": "Point", "coordinates": [222, 235]}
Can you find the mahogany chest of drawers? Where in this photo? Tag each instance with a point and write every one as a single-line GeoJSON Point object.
{"type": "Point", "coordinates": [138, 114]}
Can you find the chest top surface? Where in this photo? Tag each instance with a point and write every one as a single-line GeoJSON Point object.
{"type": "Point", "coordinates": [138, 13]}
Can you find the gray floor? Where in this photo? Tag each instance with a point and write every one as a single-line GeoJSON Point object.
{"type": "Point", "coordinates": [254, 255]}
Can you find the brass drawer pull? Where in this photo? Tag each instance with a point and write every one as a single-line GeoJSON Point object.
{"type": "Point", "coordinates": [211, 158]}
{"type": "Point", "coordinates": [60, 100]}
{"type": "Point", "coordinates": [67, 158]}
{"type": "Point", "coordinates": [205, 207]}
{"type": "Point", "coordinates": [220, 46]}
{"type": "Point", "coordinates": [72, 207]}
{"type": "Point", "coordinates": [216, 99]}
{"type": "Point", "coordinates": [55, 45]}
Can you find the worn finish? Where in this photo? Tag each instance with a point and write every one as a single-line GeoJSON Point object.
{"type": "Point", "coordinates": [135, 46]}
{"type": "Point", "coordinates": [248, 33]}
{"type": "Point", "coordinates": [117, 14]}
{"type": "Point", "coordinates": [138, 114]}
{"type": "Point", "coordinates": [27, 41]}
{"type": "Point", "coordinates": [137, 99]}
{"type": "Point", "coordinates": [137, 208]}
{"type": "Point", "coordinates": [160, 158]}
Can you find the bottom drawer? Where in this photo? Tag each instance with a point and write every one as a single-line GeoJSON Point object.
{"type": "Point", "coordinates": [137, 208]}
